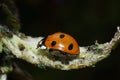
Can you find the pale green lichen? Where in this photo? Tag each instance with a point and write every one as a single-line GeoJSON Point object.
{"type": "Point", "coordinates": [3, 77]}
{"type": "Point", "coordinates": [26, 49]}
{"type": "Point", "coordinates": [5, 69]}
{"type": "Point", "coordinates": [1, 46]}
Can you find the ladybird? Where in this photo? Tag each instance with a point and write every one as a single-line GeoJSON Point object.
{"type": "Point", "coordinates": [62, 42]}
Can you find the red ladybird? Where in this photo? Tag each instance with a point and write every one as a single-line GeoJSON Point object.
{"type": "Point", "coordinates": [62, 42]}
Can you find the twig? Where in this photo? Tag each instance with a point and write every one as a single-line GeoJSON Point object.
{"type": "Point", "coordinates": [24, 47]}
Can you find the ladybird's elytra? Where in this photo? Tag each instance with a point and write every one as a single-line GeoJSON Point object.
{"type": "Point", "coordinates": [62, 42]}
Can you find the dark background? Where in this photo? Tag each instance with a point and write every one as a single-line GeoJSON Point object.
{"type": "Point", "coordinates": [86, 20]}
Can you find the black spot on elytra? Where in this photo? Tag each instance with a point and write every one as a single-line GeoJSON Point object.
{"type": "Point", "coordinates": [62, 36]}
{"type": "Point", "coordinates": [53, 43]}
{"type": "Point", "coordinates": [70, 47]}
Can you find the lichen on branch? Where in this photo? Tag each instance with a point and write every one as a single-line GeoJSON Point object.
{"type": "Point", "coordinates": [25, 47]}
